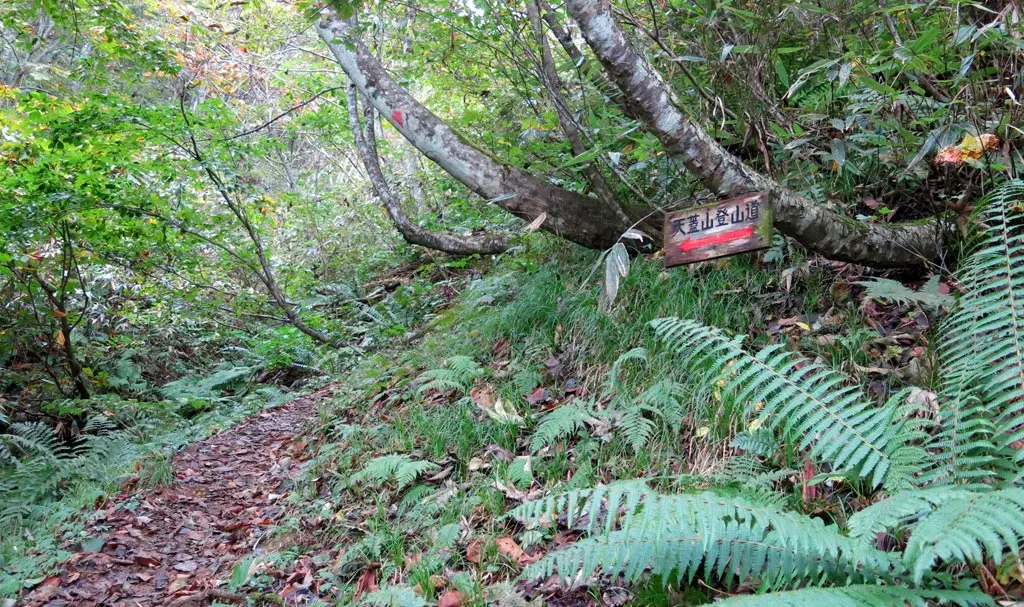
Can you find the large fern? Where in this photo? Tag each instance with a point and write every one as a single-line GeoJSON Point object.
{"type": "Point", "coordinates": [982, 345]}
{"type": "Point", "coordinates": [963, 528]}
{"type": "Point", "coordinates": [815, 407]}
{"type": "Point", "coordinates": [38, 467]}
{"type": "Point", "coordinates": [860, 595]}
{"type": "Point", "coordinates": [677, 536]}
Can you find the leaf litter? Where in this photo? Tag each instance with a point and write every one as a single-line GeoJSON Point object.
{"type": "Point", "coordinates": [177, 545]}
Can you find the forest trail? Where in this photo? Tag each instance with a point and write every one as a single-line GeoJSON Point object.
{"type": "Point", "coordinates": [172, 546]}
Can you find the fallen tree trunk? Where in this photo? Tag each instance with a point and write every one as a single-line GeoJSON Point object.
{"type": "Point", "coordinates": [586, 221]}
{"type": "Point", "coordinates": [816, 226]}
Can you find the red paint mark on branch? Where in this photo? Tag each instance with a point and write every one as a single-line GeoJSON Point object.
{"type": "Point", "coordinates": [397, 117]}
{"type": "Point", "coordinates": [695, 243]}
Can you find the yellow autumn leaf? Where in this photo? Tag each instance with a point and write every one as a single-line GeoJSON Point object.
{"type": "Point", "coordinates": [971, 147]}
{"type": "Point", "coordinates": [804, 326]}
{"type": "Point", "coordinates": [754, 425]}
{"type": "Point", "coordinates": [703, 431]}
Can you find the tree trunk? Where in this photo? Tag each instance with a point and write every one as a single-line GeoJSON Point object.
{"type": "Point", "coordinates": [586, 221]}
{"type": "Point", "coordinates": [816, 226]}
{"type": "Point", "coordinates": [75, 369]}
{"type": "Point", "coordinates": [553, 84]}
{"type": "Point", "coordinates": [414, 234]}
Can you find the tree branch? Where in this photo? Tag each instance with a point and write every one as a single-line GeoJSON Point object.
{"type": "Point", "coordinates": [816, 226]}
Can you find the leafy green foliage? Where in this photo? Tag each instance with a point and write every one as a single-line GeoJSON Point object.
{"type": "Point", "coordinates": [804, 400]}
{"type": "Point", "coordinates": [393, 597]}
{"type": "Point", "coordinates": [562, 422]}
{"type": "Point", "coordinates": [892, 290]}
{"type": "Point", "coordinates": [457, 375]}
{"type": "Point", "coordinates": [963, 529]}
{"type": "Point", "coordinates": [677, 536]}
{"type": "Point", "coordinates": [861, 595]}
{"type": "Point", "coordinates": [951, 489]}
{"type": "Point", "coordinates": [981, 413]}
{"type": "Point", "coordinates": [400, 469]}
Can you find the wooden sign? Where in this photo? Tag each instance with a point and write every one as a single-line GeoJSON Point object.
{"type": "Point", "coordinates": [716, 230]}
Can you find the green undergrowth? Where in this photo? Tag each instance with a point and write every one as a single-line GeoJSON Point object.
{"type": "Point", "coordinates": [523, 386]}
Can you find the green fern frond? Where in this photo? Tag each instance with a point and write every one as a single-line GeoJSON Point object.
{"type": "Point", "coordinates": [393, 596]}
{"type": "Point", "coordinates": [593, 502]}
{"type": "Point", "coordinates": [859, 595]}
{"type": "Point", "coordinates": [457, 375]}
{"type": "Point", "coordinates": [662, 399]}
{"type": "Point", "coordinates": [813, 406]}
{"type": "Point", "coordinates": [398, 468]}
{"type": "Point", "coordinates": [32, 439]}
{"type": "Point", "coordinates": [520, 472]}
{"type": "Point", "coordinates": [899, 509]}
{"type": "Point", "coordinates": [962, 528]}
{"type": "Point", "coordinates": [676, 536]}
{"type": "Point", "coordinates": [614, 379]}
{"type": "Point", "coordinates": [964, 450]}
{"type": "Point", "coordinates": [98, 425]}
{"type": "Point", "coordinates": [759, 442]}
{"type": "Point", "coordinates": [657, 402]}
{"type": "Point", "coordinates": [987, 330]}
{"type": "Point", "coordinates": [892, 290]}
{"type": "Point", "coordinates": [637, 428]}
{"type": "Point", "coordinates": [562, 422]}
{"type": "Point", "coordinates": [525, 381]}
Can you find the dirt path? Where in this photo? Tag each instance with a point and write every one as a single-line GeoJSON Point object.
{"type": "Point", "coordinates": [172, 546]}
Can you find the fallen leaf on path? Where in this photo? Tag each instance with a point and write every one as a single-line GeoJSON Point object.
{"type": "Point", "coordinates": [186, 566]}
{"type": "Point", "coordinates": [147, 560]}
{"type": "Point", "coordinates": [180, 583]}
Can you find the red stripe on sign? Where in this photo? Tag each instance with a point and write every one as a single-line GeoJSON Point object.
{"type": "Point", "coordinates": [723, 237]}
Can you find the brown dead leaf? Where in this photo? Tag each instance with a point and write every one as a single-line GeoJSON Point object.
{"type": "Point", "coordinates": [949, 155]}
{"type": "Point", "coordinates": [443, 474]}
{"type": "Point", "coordinates": [452, 598]}
{"type": "Point", "coordinates": [146, 560]}
{"type": "Point", "coordinates": [180, 583]}
{"type": "Point", "coordinates": [538, 396]}
{"type": "Point", "coordinates": [473, 550]}
{"type": "Point", "coordinates": [367, 581]}
{"type": "Point", "coordinates": [509, 548]}
{"type": "Point", "coordinates": [439, 581]}
{"type": "Point", "coordinates": [186, 566]}
{"type": "Point", "coordinates": [555, 367]}
{"type": "Point", "coordinates": [500, 348]}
